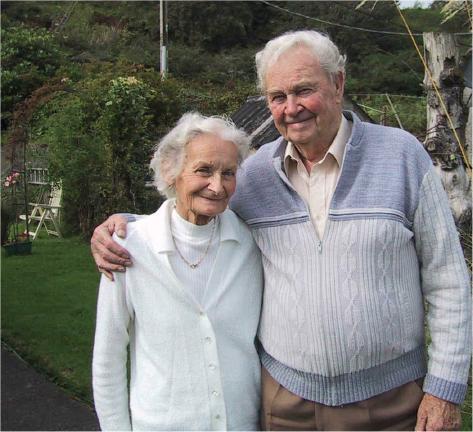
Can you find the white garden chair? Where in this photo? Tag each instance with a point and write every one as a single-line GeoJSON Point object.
{"type": "Point", "coordinates": [47, 215]}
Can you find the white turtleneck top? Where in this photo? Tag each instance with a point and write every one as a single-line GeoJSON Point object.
{"type": "Point", "coordinates": [192, 241]}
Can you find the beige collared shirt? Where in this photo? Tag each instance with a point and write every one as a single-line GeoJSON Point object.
{"type": "Point", "coordinates": [317, 187]}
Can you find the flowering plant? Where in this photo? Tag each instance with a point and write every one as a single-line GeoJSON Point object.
{"type": "Point", "coordinates": [11, 179]}
{"type": "Point", "coordinates": [10, 204]}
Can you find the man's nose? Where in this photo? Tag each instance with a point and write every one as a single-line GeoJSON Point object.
{"type": "Point", "coordinates": [292, 105]}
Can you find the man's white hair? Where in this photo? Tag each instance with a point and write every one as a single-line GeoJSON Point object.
{"type": "Point", "coordinates": [170, 152]}
{"type": "Point", "coordinates": [319, 44]}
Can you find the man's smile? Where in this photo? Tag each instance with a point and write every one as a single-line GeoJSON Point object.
{"type": "Point", "coordinates": [299, 120]}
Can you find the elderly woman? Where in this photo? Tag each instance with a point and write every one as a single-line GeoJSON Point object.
{"type": "Point", "coordinates": [189, 307]}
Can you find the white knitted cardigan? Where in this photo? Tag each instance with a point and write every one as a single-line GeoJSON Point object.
{"type": "Point", "coordinates": [192, 368]}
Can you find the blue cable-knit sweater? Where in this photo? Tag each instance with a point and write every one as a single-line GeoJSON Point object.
{"type": "Point", "coordinates": [343, 315]}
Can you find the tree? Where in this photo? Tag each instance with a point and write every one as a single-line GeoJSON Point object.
{"type": "Point", "coordinates": [445, 139]}
{"type": "Point", "coordinates": [29, 57]}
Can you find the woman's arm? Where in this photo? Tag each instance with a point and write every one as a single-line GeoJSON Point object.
{"type": "Point", "coordinates": [110, 355]}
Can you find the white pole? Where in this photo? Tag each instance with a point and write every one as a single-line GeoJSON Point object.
{"type": "Point", "coordinates": [163, 67]}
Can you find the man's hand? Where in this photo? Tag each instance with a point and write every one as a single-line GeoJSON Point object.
{"type": "Point", "coordinates": [109, 255]}
{"type": "Point", "coordinates": [436, 414]}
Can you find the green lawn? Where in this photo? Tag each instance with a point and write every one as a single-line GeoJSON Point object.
{"type": "Point", "coordinates": [48, 313]}
{"type": "Point", "coordinates": [48, 310]}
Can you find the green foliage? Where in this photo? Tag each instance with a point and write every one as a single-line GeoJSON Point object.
{"type": "Point", "coordinates": [29, 57]}
{"type": "Point", "coordinates": [216, 41]}
{"type": "Point", "coordinates": [382, 72]}
{"type": "Point", "coordinates": [123, 125]}
{"type": "Point", "coordinates": [217, 25]}
{"type": "Point", "coordinates": [13, 204]}
{"type": "Point", "coordinates": [410, 110]}
{"type": "Point", "coordinates": [99, 135]}
{"type": "Point", "coordinates": [75, 158]}
{"type": "Point", "coordinates": [98, 148]}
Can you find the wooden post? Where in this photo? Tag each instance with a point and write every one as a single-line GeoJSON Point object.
{"type": "Point", "coordinates": [443, 59]}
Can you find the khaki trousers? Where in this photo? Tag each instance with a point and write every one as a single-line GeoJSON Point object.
{"type": "Point", "coordinates": [395, 409]}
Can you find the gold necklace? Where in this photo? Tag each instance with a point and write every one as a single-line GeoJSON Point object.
{"type": "Point", "coordinates": [194, 265]}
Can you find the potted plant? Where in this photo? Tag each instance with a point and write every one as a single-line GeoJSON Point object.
{"type": "Point", "coordinates": [14, 200]}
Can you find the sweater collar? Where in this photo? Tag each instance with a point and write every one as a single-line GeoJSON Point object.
{"type": "Point", "coordinates": [158, 226]}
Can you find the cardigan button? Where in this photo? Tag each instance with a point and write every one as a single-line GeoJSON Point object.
{"type": "Point", "coordinates": [215, 393]}
{"type": "Point", "coordinates": [212, 366]}
{"type": "Point", "coordinates": [208, 339]}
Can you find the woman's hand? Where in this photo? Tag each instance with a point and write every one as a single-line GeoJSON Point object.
{"type": "Point", "coordinates": [109, 255]}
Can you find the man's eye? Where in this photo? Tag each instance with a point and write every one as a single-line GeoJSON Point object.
{"type": "Point", "coordinates": [305, 92]}
{"type": "Point", "coordinates": [229, 173]}
{"type": "Point", "coordinates": [278, 98]}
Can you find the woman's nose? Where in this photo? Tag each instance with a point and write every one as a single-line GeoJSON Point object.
{"type": "Point", "coordinates": [215, 184]}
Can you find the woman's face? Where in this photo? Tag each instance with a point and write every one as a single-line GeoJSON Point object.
{"type": "Point", "coordinates": [207, 179]}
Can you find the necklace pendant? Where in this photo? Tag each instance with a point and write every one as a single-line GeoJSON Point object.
{"type": "Point", "coordinates": [193, 266]}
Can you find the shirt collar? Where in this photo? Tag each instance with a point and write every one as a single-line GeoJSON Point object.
{"type": "Point", "coordinates": [159, 228]}
{"type": "Point", "coordinates": [336, 149]}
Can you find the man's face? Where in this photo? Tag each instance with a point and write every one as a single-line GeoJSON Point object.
{"type": "Point", "coordinates": [305, 103]}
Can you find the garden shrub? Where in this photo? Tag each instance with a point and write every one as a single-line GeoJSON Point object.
{"type": "Point", "coordinates": [29, 57]}
{"type": "Point", "coordinates": [99, 148]}
{"type": "Point", "coordinates": [98, 136]}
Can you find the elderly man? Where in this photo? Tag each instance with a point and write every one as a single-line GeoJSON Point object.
{"type": "Point", "coordinates": [356, 237]}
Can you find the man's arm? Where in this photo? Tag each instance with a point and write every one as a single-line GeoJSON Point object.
{"type": "Point", "coordinates": [446, 289]}
{"type": "Point", "coordinates": [108, 254]}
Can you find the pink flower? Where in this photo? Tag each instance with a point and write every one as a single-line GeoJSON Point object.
{"type": "Point", "coordinates": [11, 179]}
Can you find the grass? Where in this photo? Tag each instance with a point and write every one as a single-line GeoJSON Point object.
{"type": "Point", "coordinates": [48, 310]}
{"type": "Point", "coordinates": [48, 313]}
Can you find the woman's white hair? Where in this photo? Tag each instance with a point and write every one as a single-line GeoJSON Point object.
{"type": "Point", "coordinates": [170, 152]}
{"type": "Point", "coordinates": [321, 46]}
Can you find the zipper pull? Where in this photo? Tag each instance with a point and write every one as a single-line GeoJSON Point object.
{"type": "Point", "coordinates": [319, 246]}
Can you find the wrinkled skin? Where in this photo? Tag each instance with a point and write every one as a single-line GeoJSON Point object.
{"type": "Point", "coordinates": [108, 254]}
{"type": "Point", "coordinates": [436, 414]}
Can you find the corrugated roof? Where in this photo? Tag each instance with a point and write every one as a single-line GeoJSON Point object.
{"type": "Point", "coordinates": [255, 119]}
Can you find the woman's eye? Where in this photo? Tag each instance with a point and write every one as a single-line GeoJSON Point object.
{"type": "Point", "coordinates": [229, 173]}
{"type": "Point", "coordinates": [203, 171]}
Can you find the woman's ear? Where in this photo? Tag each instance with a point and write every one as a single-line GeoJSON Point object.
{"type": "Point", "coordinates": [166, 170]}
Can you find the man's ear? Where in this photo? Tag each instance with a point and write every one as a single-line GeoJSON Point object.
{"type": "Point", "coordinates": [340, 85]}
